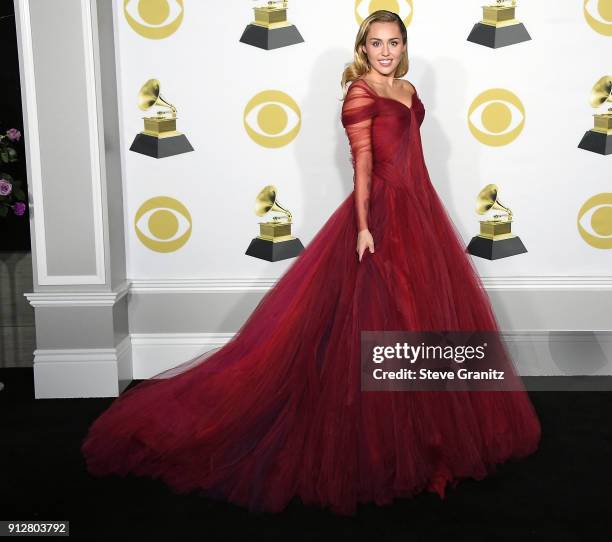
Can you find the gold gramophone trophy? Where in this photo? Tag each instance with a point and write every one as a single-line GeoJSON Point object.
{"type": "Point", "coordinates": [159, 137]}
{"type": "Point", "coordinates": [270, 29]}
{"type": "Point", "coordinates": [274, 241]}
{"type": "Point", "coordinates": [599, 138]}
{"type": "Point", "coordinates": [495, 239]}
{"type": "Point", "coordinates": [498, 27]}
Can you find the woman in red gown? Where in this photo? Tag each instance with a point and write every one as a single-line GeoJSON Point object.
{"type": "Point", "coordinates": [277, 412]}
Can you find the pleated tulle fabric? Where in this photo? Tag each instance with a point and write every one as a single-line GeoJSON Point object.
{"type": "Point", "coordinates": [277, 412]}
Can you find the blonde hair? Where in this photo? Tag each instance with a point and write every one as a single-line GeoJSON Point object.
{"type": "Point", "coordinates": [360, 64]}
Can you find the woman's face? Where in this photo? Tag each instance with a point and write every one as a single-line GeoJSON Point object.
{"type": "Point", "coordinates": [384, 47]}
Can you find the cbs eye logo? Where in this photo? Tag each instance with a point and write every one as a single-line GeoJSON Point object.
{"type": "Point", "coordinates": [496, 117]}
{"type": "Point", "coordinates": [595, 221]}
{"type": "Point", "coordinates": [154, 19]}
{"type": "Point", "coordinates": [364, 8]}
{"type": "Point", "coordinates": [598, 13]}
{"type": "Point", "coordinates": [163, 224]}
{"type": "Point", "coordinates": [272, 119]}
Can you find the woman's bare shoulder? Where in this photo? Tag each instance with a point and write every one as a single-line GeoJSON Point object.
{"type": "Point", "coordinates": [408, 86]}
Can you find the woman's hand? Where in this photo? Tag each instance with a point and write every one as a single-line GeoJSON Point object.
{"type": "Point", "coordinates": [364, 240]}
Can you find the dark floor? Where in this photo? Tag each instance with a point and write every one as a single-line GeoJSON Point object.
{"type": "Point", "coordinates": [561, 493]}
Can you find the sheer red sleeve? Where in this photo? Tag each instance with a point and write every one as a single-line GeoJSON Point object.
{"type": "Point", "coordinates": [358, 109]}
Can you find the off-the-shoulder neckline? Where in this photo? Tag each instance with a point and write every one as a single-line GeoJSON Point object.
{"type": "Point", "coordinates": [392, 99]}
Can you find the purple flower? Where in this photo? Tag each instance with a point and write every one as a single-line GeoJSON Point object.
{"type": "Point", "coordinates": [19, 208]}
{"type": "Point", "coordinates": [13, 134]}
{"type": "Point", "coordinates": [5, 187]}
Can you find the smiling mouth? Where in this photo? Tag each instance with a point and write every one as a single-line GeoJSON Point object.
{"type": "Point", "coordinates": [385, 62]}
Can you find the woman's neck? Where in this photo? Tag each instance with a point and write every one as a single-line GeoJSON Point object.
{"type": "Point", "coordinates": [382, 80]}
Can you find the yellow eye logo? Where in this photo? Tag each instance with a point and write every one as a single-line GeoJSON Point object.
{"type": "Point", "coordinates": [163, 224]}
{"type": "Point", "coordinates": [598, 13]}
{"type": "Point", "coordinates": [154, 19]}
{"type": "Point", "coordinates": [272, 119]}
{"type": "Point", "coordinates": [595, 221]}
{"type": "Point", "coordinates": [364, 8]}
{"type": "Point", "coordinates": [496, 117]}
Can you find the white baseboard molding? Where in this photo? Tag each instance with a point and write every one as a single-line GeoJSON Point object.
{"type": "Point", "coordinates": [153, 353]}
{"type": "Point", "coordinates": [534, 353]}
{"type": "Point", "coordinates": [534, 303]}
{"type": "Point", "coordinates": [82, 372]}
{"type": "Point", "coordinates": [95, 372]}
{"type": "Point", "coordinates": [245, 284]}
{"type": "Point", "coordinates": [560, 353]}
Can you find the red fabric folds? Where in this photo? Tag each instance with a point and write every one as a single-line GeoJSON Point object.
{"type": "Point", "coordinates": [278, 413]}
{"type": "Point", "coordinates": [358, 110]}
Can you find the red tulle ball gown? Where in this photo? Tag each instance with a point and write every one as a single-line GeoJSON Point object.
{"type": "Point", "coordinates": [278, 412]}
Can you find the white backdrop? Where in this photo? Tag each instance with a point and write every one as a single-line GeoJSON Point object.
{"type": "Point", "coordinates": [210, 76]}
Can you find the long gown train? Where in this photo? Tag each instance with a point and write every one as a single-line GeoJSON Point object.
{"type": "Point", "coordinates": [277, 412]}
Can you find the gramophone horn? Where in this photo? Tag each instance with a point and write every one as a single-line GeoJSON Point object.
{"type": "Point", "coordinates": [266, 202]}
{"type": "Point", "coordinates": [601, 91]}
{"type": "Point", "coordinates": [149, 96]}
{"type": "Point", "coordinates": [487, 199]}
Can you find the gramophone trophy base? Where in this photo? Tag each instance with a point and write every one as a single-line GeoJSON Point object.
{"type": "Point", "coordinates": [270, 251]}
{"type": "Point", "coordinates": [494, 249]}
{"type": "Point", "coordinates": [498, 36]}
{"type": "Point", "coordinates": [160, 147]}
{"type": "Point", "coordinates": [274, 242]}
{"type": "Point", "coordinates": [271, 38]}
{"type": "Point", "coordinates": [598, 142]}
